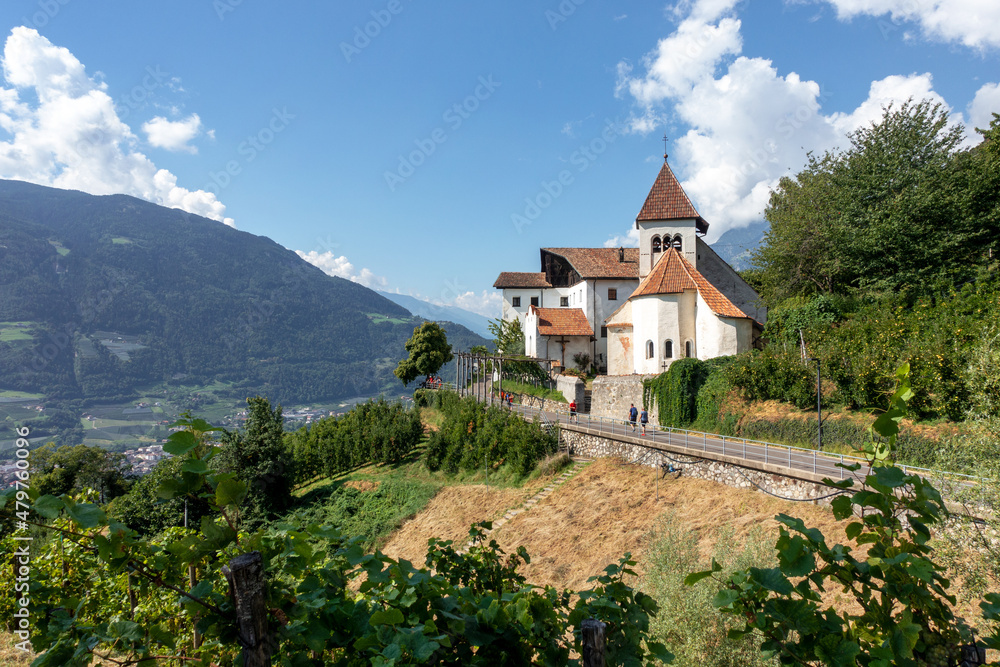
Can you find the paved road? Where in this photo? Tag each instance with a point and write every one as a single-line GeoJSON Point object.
{"type": "Point", "coordinates": [802, 460]}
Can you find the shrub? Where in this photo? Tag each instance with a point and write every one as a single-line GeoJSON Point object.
{"type": "Point", "coordinates": [771, 375]}
{"type": "Point", "coordinates": [372, 432]}
{"type": "Point", "coordinates": [554, 464]}
{"type": "Point", "coordinates": [473, 433]}
{"type": "Point", "coordinates": [688, 622]}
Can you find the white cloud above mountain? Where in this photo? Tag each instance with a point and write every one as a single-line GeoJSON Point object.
{"type": "Point", "coordinates": [487, 303]}
{"type": "Point", "coordinates": [338, 265]}
{"type": "Point", "coordinates": [63, 131]}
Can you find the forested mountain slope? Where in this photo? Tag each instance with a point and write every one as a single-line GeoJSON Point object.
{"type": "Point", "coordinates": [101, 294]}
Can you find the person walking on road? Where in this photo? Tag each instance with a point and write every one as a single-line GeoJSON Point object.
{"type": "Point", "coordinates": [572, 410]}
{"type": "Point", "coordinates": [644, 419]}
{"type": "Point", "coordinates": [632, 414]}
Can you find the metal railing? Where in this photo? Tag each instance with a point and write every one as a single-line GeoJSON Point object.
{"type": "Point", "coordinates": [769, 453]}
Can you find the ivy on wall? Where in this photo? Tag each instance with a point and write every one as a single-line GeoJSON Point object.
{"type": "Point", "coordinates": [675, 392]}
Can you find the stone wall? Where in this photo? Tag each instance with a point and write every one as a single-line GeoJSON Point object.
{"type": "Point", "coordinates": [611, 396]}
{"type": "Point", "coordinates": [573, 388]}
{"type": "Point", "coordinates": [583, 444]}
{"type": "Point", "coordinates": [542, 403]}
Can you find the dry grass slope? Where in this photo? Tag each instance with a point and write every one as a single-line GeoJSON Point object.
{"type": "Point", "coordinates": [606, 509]}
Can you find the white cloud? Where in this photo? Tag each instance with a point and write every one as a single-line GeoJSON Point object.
{"type": "Point", "coordinates": [984, 105]}
{"type": "Point", "coordinates": [973, 23]}
{"type": "Point", "coordinates": [629, 240]}
{"type": "Point", "coordinates": [334, 265]}
{"type": "Point", "coordinates": [174, 135]}
{"type": "Point", "coordinates": [488, 303]}
{"type": "Point", "coordinates": [748, 124]}
{"type": "Point", "coordinates": [64, 131]}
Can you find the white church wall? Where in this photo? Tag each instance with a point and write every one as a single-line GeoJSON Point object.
{"type": "Point", "coordinates": [688, 324]}
{"type": "Point", "coordinates": [721, 336]}
{"type": "Point", "coordinates": [715, 335]}
{"type": "Point", "coordinates": [573, 345]}
{"type": "Point", "coordinates": [601, 308]}
{"type": "Point", "coordinates": [659, 319]}
{"type": "Point", "coordinates": [530, 329]}
{"type": "Point", "coordinates": [510, 311]}
{"type": "Point", "coordinates": [620, 356]}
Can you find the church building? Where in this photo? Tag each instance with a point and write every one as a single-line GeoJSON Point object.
{"type": "Point", "coordinates": [639, 308]}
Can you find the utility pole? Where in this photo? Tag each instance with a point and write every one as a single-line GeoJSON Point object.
{"type": "Point", "coordinates": [819, 400]}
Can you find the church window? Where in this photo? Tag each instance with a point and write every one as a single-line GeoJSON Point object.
{"type": "Point", "coordinates": [564, 301]}
{"type": "Point", "coordinates": [678, 243]}
{"type": "Point", "coordinates": [688, 351]}
{"type": "Point", "coordinates": [612, 294]}
{"type": "Point", "coordinates": [668, 349]}
{"type": "Point", "coordinates": [516, 302]}
{"type": "Point", "coordinates": [656, 244]}
{"type": "Point", "coordinates": [534, 301]}
{"type": "Point", "coordinates": [649, 349]}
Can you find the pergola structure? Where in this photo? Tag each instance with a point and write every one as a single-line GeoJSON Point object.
{"type": "Point", "coordinates": [476, 372]}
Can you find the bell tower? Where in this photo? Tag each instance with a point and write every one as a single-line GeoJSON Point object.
{"type": "Point", "coordinates": [667, 219]}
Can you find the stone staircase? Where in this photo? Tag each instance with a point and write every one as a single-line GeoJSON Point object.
{"type": "Point", "coordinates": [535, 499]}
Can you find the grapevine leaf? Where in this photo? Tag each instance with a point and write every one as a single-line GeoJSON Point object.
{"type": "Point", "coordinates": [86, 515]}
{"type": "Point", "coordinates": [49, 506]}
{"type": "Point", "coordinates": [230, 492]}
{"type": "Point", "coordinates": [197, 466]}
{"type": "Point", "coordinates": [386, 617]}
{"type": "Point", "coordinates": [180, 443]}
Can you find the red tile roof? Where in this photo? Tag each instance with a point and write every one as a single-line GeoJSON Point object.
{"type": "Point", "coordinates": [600, 262]}
{"type": "Point", "coordinates": [668, 201]}
{"type": "Point", "coordinates": [562, 322]}
{"type": "Point", "coordinates": [524, 280]}
{"type": "Point", "coordinates": [674, 274]}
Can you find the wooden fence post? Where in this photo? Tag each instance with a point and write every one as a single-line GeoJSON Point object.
{"type": "Point", "coordinates": [245, 575]}
{"type": "Point", "coordinates": [193, 581]}
{"type": "Point", "coordinates": [592, 633]}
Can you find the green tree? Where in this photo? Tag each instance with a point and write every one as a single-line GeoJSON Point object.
{"type": "Point", "coordinates": [901, 223]}
{"type": "Point", "coordinates": [981, 201]}
{"type": "Point", "coordinates": [258, 457]}
{"type": "Point", "coordinates": [508, 337]}
{"type": "Point", "coordinates": [798, 255]}
{"type": "Point", "coordinates": [72, 469]}
{"type": "Point", "coordinates": [143, 510]}
{"type": "Point", "coordinates": [429, 351]}
{"type": "Point", "coordinates": [890, 213]}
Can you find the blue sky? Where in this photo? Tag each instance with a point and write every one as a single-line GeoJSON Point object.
{"type": "Point", "coordinates": [424, 148]}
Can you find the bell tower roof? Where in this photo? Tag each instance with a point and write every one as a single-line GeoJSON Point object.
{"type": "Point", "coordinates": [668, 201]}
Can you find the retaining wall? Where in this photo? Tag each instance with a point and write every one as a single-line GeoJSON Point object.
{"type": "Point", "coordinates": [594, 446]}
{"type": "Point", "coordinates": [611, 396]}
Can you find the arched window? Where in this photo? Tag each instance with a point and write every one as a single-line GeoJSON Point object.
{"type": "Point", "coordinates": [649, 349]}
{"type": "Point", "coordinates": [688, 349]}
{"type": "Point", "coordinates": [656, 244]}
{"type": "Point", "coordinates": [678, 243]}
{"type": "Point", "coordinates": [668, 349]}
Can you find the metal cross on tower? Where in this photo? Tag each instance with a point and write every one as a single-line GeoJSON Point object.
{"type": "Point", "coordinates": [664, 146]}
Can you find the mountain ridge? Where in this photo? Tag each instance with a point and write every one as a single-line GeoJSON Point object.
{"type": "Point", "coordinates": [434, 312]}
